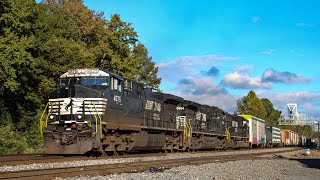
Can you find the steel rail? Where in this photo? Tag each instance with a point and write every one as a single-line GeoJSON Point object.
{"type": "Point", "coordinates": [128, 167]}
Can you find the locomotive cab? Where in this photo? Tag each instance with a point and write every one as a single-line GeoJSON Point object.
{"type": "Point", "coordinates": [74, 111]}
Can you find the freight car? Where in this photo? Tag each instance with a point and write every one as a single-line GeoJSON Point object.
{"type": "Point", "coordinates": [257, 133]}
{"type": "Point", "coordinates": [273, 137]}
{"type": "Point", "coordinates": [290, 138]}
{"type": "Point", "coordinates": [294, 138]}
{"type": "Point", "coordinates": [97, 111]}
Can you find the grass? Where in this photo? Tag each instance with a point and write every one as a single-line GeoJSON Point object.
{"type": "Point", "coordinates": [315, 153]}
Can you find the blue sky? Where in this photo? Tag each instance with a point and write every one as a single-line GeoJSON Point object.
{"type": "Point", "coordinates": [214, 52]}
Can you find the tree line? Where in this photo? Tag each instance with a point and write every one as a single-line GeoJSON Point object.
{"type": "Point", "coordinates": [39, 42]}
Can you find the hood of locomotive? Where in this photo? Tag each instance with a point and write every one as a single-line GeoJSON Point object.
{"type": "Point", "coordinates": [75, 103]}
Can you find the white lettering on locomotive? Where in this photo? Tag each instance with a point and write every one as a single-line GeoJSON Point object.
{"type": "Point", "coordinates": [151, 105]}
{"type": "Point", "coordinates": [156, 116]}
{"type": "Point", "coordinates": [117, 99]}
{"type": "Point", "coordinates": [180, 108]}
{"type": "Point", "coordinates": [201, 116]}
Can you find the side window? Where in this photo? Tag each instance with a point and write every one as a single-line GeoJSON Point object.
{"type": "Point", "coordinates": [64, 82]}
{"type": "Point", "coordinates": [127, 87]}
{"type": "Point", "coordinates": [119, 86]}
{"type": "Point", "coordinates": [234, 124]}
{"type": "Point", "coordinates": [116, 84]}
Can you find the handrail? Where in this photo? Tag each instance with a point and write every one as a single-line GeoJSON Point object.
{"type": "Point", "coordinates": [187, 130]}
{"type": "Point", "coordinates": [228, 134]}
{"type": "Point", "coordinates": [50, 110]}
{"type": "Point", "coordinates": [93, 109]}
{"type": "Point", "coordinates": [44, 123]}
{"type": "Point", "coordinates": [190, 128]}
{"type": "Point", "coordinates": [40, 120]}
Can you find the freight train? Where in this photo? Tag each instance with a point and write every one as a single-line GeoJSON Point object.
{"type": "Point", "coordinates": [97, 111]}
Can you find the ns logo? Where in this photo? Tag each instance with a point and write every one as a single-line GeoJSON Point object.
{"type": "Point", "coordinates": [117, 99]}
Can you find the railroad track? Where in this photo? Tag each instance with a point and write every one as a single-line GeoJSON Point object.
{"type": "Point", "coordinates": [31, 159]}
{"type": "Point", "coordinates": [128, 167]}
{"type": "Point", "coordinates": [12, 160]}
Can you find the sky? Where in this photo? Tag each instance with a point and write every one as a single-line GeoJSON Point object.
{"type": "Point", "coordinates": [214, 52]}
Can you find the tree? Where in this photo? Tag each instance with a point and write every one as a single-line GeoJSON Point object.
{"type": "Point", "coordinates": [17, 65]}
{"type": "Point", "coordinates": [39, 42]}
{"type": "Point", "coordinates": [11, 142]}
{"type": "Point", "coordinates": [305, 130]}
{"type": "Point", "coordinates": [146, 72]}
{"type": "Point", "coordinates": [272, 115]}
{"type": "Point", "coordinates": [316, 135]}
{"type": "Point", "coordinates": [120, 38]}
{"type": "Point", "coordinates": [252, 105]}
{"type": "Point", "coordinates": [65, 32]}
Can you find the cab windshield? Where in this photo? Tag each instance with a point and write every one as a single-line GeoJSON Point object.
{"type": "Point", "coordinates": [69, 81]}
{"type": "Point", "coordinates": [102, 81]}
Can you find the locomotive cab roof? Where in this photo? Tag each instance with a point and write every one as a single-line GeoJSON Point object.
{"type": "Point", "coordinates": [90, 72]}
{"type": "Point", "coordinates": [171, 99]}
{"type": "Point", "coordinates": [191, 105]}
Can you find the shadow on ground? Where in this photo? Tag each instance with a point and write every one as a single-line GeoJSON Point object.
{"type": "Point", "coordinates": [310, 163]}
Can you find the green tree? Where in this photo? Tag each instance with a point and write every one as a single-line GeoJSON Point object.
{"type": "Point", "coordinates": [251, 104]}
{"type": "Point", "coordinates": [272, 115]}
{"type": "Point", "coordinates": [316, 135]}
{"type": "Point", "coordinates": [17, 65]}
{"type": "Point", "coordinates": [64, 32]}
{"type": "Point", "coordinates": [11, 142]}
{"type": "Point", "coordinates": [120, 38]}
{"type": "Point", "coordinates": [305, 130]}
{"type": "Point", "coordinates": [39, 42]}
{"type": "Point", "coordinates": [146, 72]}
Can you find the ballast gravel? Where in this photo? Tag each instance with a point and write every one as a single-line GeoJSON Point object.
{"type": "Point", "coordinates": [276, 169]}
{"type": "Point", "coordinates": [244, 169]}
{"type": "Point", "coordinates": [126, 160]}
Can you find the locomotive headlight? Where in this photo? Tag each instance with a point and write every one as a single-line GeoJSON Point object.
{"type": "Point", "coordinates": [79, 116]}
{"type": "Point", "coordinates": [51, 116]}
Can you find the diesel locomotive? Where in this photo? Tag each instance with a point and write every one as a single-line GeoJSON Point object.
{"type": "Point", "coordinates": [95, 110]}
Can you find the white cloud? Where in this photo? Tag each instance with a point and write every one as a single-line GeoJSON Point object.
{"type": "Point", "coordinates": [189, 66]}
{"type": "Point", "coordinates": [246, 69]}
{"type": "Point", "coordinates": [308, 102]}
{"type": "Point", "coordinates": [271, 75]}
{"type": "Point", "coordinates": [267, 52]}
{"type": "Point", "coordinates": [198, 60]}
{"type": "Point", "coordinates": [244, 81]}
{"type": "Point", "coordinates": [299, 53]}
{"type": "Point", "coordinates": [211, 94]}
{"type": "Point", "coordinates": [241, 79]}
{"type": "Point", "coordinates": [255, 19]}
{"type": "Point", "coordinates": [302, 24]}
{"type": "Point", "coordinates": [185, 79]}
{"type": "Point", "coordinates": [205, 91]}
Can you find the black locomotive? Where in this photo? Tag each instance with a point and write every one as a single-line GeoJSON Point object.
{"type": "Point", "coordinates": [98, 111]}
